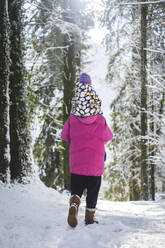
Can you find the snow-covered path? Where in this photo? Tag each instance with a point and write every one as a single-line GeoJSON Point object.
{"type": "Point", "coordinates": [34, 216]}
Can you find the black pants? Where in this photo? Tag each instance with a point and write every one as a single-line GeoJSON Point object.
{"type": "Point", "coordinates": [91, 183]}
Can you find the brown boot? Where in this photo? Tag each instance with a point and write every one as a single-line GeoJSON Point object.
{"type": "Point", "coordinates": [73, 210]}
{"type": "Point", "coordinates": [89, 216]}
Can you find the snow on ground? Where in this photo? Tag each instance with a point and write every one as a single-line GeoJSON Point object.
{"type": "Point", "coordinates": [34, 216]}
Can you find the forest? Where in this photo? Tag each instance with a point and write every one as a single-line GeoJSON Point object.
{"type": "Point", "coordinates": [44, 46]}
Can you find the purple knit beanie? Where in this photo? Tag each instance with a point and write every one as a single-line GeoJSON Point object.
{"type": "Point", "coordinates": [85, 78]}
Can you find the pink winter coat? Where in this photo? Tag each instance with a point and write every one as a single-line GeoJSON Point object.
{"type": "Point", "coordinates": [87, 136]}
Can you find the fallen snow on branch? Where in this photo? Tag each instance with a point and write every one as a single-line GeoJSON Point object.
{"type": "Point", "coordinates": [155, 51]}
{"type": "Point", "coordinates": [150, 2]}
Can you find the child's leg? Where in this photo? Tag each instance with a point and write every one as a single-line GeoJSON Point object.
{"type": "Point", "coordinates": [78, 184]}
{"type": "Point", "coordinates": [93, 187]}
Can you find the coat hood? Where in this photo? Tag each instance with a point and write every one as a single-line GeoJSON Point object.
{"type": "Point", "coordinates": [85, 101]}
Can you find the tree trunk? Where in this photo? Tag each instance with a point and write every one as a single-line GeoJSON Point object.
{"type": "Point", "coordinates": [133, 184]}
{"type": "Point", "coordinates": [69, 77]}
{"type": "Point", "coordinates": [135, 144]}
{"type": "Point", "coordinates": [144, 176]}
{"type": "Point", "coordinates": [20, 165]}
{"type": "Point", "coordinates": [152, 148]}
{"type": "Point", "coordinates": [69, 85]}
{"type": "Point", "coordinates": [4, 91]}
{"type": "Point", "coordinates": [152, 165]}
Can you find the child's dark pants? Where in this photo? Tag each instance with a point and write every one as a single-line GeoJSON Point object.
{"type": "Point", "coordinates": [91, 183]}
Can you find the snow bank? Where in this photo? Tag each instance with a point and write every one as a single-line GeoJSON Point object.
{"type": "Point", "coordinates": [34, 216]}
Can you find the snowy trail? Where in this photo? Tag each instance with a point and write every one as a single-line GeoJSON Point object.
{"type": "Point", "coordinates": [34, 216]}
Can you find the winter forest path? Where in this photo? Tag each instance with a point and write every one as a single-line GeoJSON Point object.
{"type": "Point", "coordinates": [35, 216]}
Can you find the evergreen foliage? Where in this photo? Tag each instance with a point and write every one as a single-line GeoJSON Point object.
{"type": "Point", "coordinates": [43, 48]}
{"type": "Point", "coordinates": [132, 108]}
{"type": "Point", "coordinates": [20, 140]}
{"type": "Point", "coordinates": [57, 45]}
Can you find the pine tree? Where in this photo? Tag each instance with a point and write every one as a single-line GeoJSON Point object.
{"type": "Point", "coordinates": [142, 135]}
{"type": "Point", "coordinates": [57, 43]}
{"type": "Point", "coordinates": [4, 91]}
{"type": "Point", "coordinates": [144, 174]}
{"type": "Point", "coordinates": [46, 85]}
{"type": "Point", "coordinates": [124, 54]}
{"type": "Point", "coordinates": [156, 70]}
{"type": "Point", "coordinates": [20, 164]}
{"type": "Point", "coordinates": [134, 187]}
{"type": "Point", "coordinates": [69, 79]}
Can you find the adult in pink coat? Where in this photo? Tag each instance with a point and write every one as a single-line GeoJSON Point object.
{"type": "Point", "coordinates": [87, 131]}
